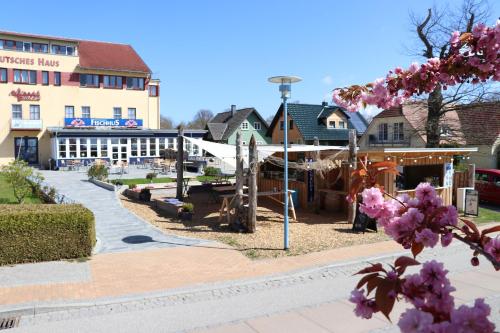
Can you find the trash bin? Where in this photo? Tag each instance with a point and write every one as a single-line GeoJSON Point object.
{"type": "Point", "coordinates": [295, 197]}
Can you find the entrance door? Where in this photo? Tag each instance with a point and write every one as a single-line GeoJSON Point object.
{"type": "Point", "coordinates": [26, 149]}
{"type": "Point", "coordinates": [119, 150]}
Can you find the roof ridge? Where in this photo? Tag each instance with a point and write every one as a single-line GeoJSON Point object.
{"type": "Point", "coordinates": [69, 39]}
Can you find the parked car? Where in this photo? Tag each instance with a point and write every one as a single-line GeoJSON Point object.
{"type": "Point", "coordinates": [488, 185]}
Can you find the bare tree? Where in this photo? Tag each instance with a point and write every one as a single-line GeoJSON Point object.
{"type": "Point", "coordinates": [201, 119]}
{"type": "Point", "coordinates": [166, 122]}
{"type": "Point", "coordinates": [269, 120]}
{"type": "Point", "coordinates": [433, 34]}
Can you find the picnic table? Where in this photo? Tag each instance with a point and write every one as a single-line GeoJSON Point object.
{"type": "Point", "coordinates": [185, 182]}
{"type": "Point", "coordinates": [227, 201]}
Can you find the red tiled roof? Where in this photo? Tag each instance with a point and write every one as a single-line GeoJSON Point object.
{"type": "Point", "coordinates": [392, 112]}
{"type": "Point", "coordinates": [120, 57]}
{"type": "Point", "coordinates": [480, 122]}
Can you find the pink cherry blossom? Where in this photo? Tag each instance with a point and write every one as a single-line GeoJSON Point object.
{"type": "Point", "coordinates": [474, 319]}
{"type": "Point", "coordinates": [415, 321]}
{"type": "Point", "coordinates": [425, 192]}
{"type": "Point", "coordinates": [446, 239]}
{"type": "Point", "coordinates": [364, 307]}
{"type": "Point", "coordinates": [493, 247]}
{"type": "Point", "coordinates": [427, 237]}
{"type": "Point", "coordinates": [455, 38]}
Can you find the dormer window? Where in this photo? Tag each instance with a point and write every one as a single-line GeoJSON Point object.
{"type": "Point", "coordinates": [341, 124]}
{"type": "Point", "coordinates": [331, 124]}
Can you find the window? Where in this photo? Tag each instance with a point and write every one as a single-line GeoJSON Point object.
{"type": "Point", "coordinates": [27, 47]}
{"type": "Point", "coordinates": [62, 148]}
{"type": "Point", "coordinates": [136, 83]}
{"type": "Point", "coordinates": [70, 50]}
{"type": "Point", "coordinates": [282, 124]}
{"type": "Point", "coordinates": [45, 78]}
{"type": "Point", "coordinates": [341, 124]}
{"type": "Point", "coordinates": [93, 147]}
{"type": "Point", "coordinates": [133, 147]}
{"type": "Point", "coordinates": [170, 142]}
{"type": "Point", "coordinates": [89, 80]}
{"type": "Point", "coordinates": [35, 112]}
{"type": "Point", "coordinates": [291, 123]}
{"type": "Point", "coordinates": [58, 49]}
{"type": "Point", "coordinates": [331, 124]}
{"type": "Point", "coordinates": [17, 111]}
{"type": "Point", "coordinates": [85, 111]}
{"type": "Point", "coordinates": [24, 76]}
{"type": "Point", "coordinates": [57, 78]}
{"type": "Point", "coordinates": [41, 48]}
{"type": "Point", "coordinates": [1, 44]}
{"type": "Point", "coordinates": [3, 75]}
{"type": "Point", "coordinates": [153, 91]}
{"type": "Point", "coordinates": [131, 113]}
{"type": "Point", "coordinates": [256, 126]}
{"type": "Point", "coordinates": [244, 125]}
{"type": "Point", "coordinates": [382, 132]}
{"type": "Point", "coordinates": [83, 147]}
{"type": "Point", "coordinates": [69, 111]}
{"type": "Point", "coordinates": [104, 147]}
{"type": "Point", "coordinates": [72, 148]}
{"type": "Point", "coordinates": [398, 133]}
{"type": "Point", "coordinates": [111, 81]}
{"type": "Point", "coordinates": [152, 147]}
{"type": "Point", "coordinates": [13, 45]}
{"type": "Point", "coordinates": [117, 113]}
{"type": "Point", "coordinates": [144, 147]}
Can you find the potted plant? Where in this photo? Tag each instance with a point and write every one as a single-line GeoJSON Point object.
{"type": "Point", "coordinates": [186, 212]}
{"type": "Point", "coordinates": [145, 194]}
{"type": "Point", "coordinates": [151, 176]}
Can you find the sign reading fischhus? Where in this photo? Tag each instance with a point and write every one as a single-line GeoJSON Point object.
{"type": "Point", "coordinates": [102, 122]}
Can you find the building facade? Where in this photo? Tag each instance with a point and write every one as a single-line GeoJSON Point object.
{"type": "Point", "coordinates": [223, 127]}
{"type": "Point", "coordinates": [65, 99]}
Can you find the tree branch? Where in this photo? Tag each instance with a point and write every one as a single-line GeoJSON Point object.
{"type": "Point", "coordinates": [479, 249]}
{"type": "Point", "coordinates": [423, 37]}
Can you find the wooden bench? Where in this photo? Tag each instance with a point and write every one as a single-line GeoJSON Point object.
{"type": "Point", "coordinates": [169, 205]}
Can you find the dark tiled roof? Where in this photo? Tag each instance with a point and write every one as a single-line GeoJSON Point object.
{"type": "Point", "coordinates": [119, 57]}
{"type": "Point", "coordinates": [227, 124]}
{"type": "Point", "coordinates": [307, 118]}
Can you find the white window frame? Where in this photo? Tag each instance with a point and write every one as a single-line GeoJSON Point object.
{"type": "Point", "coordinates": [244, 126]}
{"type": "Point", "coordinates": [383, 132]}
{"type": "Point", "coordinates": [341, 124]}
{"type": "Point", "coordinates": [114, 113]}
{"type": "Point", "coordinates": [398, 131]}
{"type": "Point", "coordinates": [19, 113]}
{"type": "Point", "coordinates": [89, 114]}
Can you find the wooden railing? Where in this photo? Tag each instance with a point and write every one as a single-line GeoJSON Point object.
{"type": "Point", "coordinates": [444, 192]}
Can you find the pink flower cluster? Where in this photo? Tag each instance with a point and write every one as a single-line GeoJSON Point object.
{"type": "Point", "coordinates": [471, 57]}
{"type": "Point", "coordinates": [364, 307]}
{"type": "Point", "coordinates": [493, 247]}
{"type": "Point", "coordinates": [422, 219]}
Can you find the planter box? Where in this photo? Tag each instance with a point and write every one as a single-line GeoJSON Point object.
{"type": "Point", "coordinates": [172, 207]}
{"type": "Point", "coordinates": [132, 194]}
{"type": "Point", "coordinates": [107, 186]}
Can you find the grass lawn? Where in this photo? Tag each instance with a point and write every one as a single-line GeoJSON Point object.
{"type": "Point", "coordinates": [488, 214]}
{"type": "Point", "coordinates": [160, 180]}
{"type": "Point", "coordinates": [7, 194]}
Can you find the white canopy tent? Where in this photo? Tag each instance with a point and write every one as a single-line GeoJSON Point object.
{"type": "Point", "coordinates": [227, 153]}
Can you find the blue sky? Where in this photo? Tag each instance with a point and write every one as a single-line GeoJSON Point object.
{"type": "Point", "coordinates": [211, 54]}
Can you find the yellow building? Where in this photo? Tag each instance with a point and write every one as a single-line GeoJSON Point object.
{"type": "Point", "coordinates": [66, 99]}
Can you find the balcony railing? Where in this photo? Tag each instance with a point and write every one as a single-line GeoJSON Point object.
{"type": "Point", "coordinates": [373, 140]}
{"type": "Point", "coordinates": [26, 124]}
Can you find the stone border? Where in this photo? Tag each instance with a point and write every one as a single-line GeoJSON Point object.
{"type": "Point", "coordinates": [105, 185]}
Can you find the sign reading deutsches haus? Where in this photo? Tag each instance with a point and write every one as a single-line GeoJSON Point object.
{"type": "Point", "coordinates": [102, 122]}
{"type": "Point", "coordinates": [29, 61]}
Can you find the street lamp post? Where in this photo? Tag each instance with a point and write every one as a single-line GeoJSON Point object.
{"type": "Point", "coordinates": [285, 83]}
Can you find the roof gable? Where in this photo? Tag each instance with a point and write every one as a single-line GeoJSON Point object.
{"type": "Point", "coordinates": [229, 123]}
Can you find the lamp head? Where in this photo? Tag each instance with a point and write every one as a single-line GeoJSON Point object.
{"type": "Point", "coordinates": [285, 83]}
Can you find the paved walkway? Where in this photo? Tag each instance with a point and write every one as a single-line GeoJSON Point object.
{"type": "Point", "coordinates": [117, 229]}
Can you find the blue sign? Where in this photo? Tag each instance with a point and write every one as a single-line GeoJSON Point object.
{"type": "Point", "coordinates": [102, 122]}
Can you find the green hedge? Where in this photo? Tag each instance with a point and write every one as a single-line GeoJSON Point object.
{"type": "Point", "coordinates": [30, 233]}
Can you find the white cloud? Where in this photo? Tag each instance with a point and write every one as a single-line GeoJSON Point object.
{"type": "Point", "coordinates": [328, 80]}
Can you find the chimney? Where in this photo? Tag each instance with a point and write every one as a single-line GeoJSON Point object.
{"type": "Point", "coordinates": [324, 103]}
{"type": "Point", "coordinates": [233, 109]}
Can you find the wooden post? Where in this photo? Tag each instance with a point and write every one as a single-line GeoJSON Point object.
{"type": "Point", "coordinates": [253, 166]}
{"type": "Point", "coordinates": [471, 174]}
{"type": "Point", "coordinates": [317, 198]}
{"type": "Point", "coordinates": [180, 163]}
{"type": "Point", "coordinates": [238, 200]}
{"type": "Point", "coordinates": [353, 156]}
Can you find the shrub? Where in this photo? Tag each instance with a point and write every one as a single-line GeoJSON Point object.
{"type": "Point", "coordinates": [151, 176]}
{"type": "Point", "coordinates": [22, 179]}
{"type": "Point", "coordinates": [188, 207]}
{"type": "Point", "coordinates": [45, 232]}
{"type": "Point", "coordinates": [117, 182]}
{"type": "Point", "coordinates": [98, 171]}
{"type": "Point", "coordinates": [211, 171]}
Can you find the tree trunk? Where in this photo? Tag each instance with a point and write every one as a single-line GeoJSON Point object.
{"type": "Point", "coordinates": [253, 165]}
{"type": "Point", "coordinates": [317, 198]}
{"type": "Point", "coordinates": [434, 105]}
{"type": "Point", "coordinates": [353, 160]}
{"type": "Point", "coordinates": [238, 201]}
